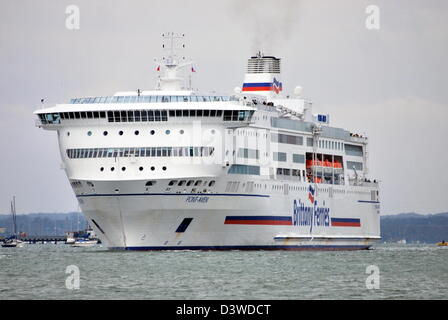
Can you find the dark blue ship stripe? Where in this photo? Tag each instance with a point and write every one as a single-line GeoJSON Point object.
{"type": "Point", "coordinates": [255, 247]}
{"type": "Point", "coordinates": [172, 194]}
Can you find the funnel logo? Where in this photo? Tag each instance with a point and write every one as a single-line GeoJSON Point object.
{"type": "Point", "coordinates": [276, 86]}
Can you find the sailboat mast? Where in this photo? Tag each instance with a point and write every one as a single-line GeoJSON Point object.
{"type": "Point", "coordinates": [13, 212]}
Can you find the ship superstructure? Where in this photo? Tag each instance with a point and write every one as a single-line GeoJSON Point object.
{"type": "Point", "coordinates": [175, 169]}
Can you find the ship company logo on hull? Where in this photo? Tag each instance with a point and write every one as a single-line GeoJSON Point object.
{"type": "Point", "coordinates": [310, 215]}
{"type": "Point", "coordinates": [314, 215]}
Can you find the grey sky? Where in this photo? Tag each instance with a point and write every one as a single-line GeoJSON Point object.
{"type": "Point", "coordinates": [389, 83]}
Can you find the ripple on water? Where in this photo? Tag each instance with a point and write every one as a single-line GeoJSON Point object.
{"type": "Point", "coordinates": [406, 272]}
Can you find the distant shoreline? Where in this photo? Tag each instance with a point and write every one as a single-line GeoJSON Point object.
{"type": "Point", "coordinates": [411, 227]}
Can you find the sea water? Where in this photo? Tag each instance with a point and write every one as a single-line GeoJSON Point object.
{"type": "Point", "coordinates": [49, 271]}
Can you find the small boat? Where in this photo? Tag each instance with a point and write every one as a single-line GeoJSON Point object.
{"type": "Point", "coordinates": [70, 237]}
{"type": "Point", "coordinates": [85, 242]}
{"type": "Point", "coordinates": [443, 244]}
{"type": "Point", "coordinates": [13, 241]}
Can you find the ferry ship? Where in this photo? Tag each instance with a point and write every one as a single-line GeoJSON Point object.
{"type": "Point", "coordinates": [174, 169]}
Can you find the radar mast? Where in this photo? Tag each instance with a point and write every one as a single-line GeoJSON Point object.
{"type": "Point", "coordinates": [172, 62]}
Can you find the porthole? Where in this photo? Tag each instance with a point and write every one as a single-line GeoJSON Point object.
{"type": "Point", "coordinates": [102, 169]}
{"type": "Point", "coordinates": [181, 131]}
{"type": "Point", "coordinates": [164, 168]}
{"type": "Point", "coordinates": [167, 132]}
{"type": "Point", "coordinates": [136, 132]}
{"type": "Point", "coordinates": [112, 169]}
{"type": "Point", "coordinates": [68, 133]}
{"type": "Point", "coordinates": [213, 131]}
{"type": "Point", "coordinates": [153, 168]}
{"type": "Point", "coordinates": [123, 168]}
{"type": "Point", "coordinates": [105, 133]}
{"type": "Point", "coordinates": [152, 132]}
{"type": "Point", "coordinates": [141, 168]}
{"type": "Point", "coordinates": [120, 133]}
{"type": "Point", "coordinates": [89, 133]}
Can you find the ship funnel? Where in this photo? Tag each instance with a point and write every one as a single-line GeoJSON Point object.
{"type": "Point", "coordinates": [263, 76]}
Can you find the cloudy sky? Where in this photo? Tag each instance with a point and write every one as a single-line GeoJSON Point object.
{"type": "Point", "coordinates": [389, 83]}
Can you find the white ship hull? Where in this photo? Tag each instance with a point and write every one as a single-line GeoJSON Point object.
{"type": "Point", "coordinates": [158, 220]}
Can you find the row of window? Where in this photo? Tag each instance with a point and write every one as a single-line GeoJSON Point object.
{"type": "Point", "coordinates": [124, 168]}
{"type": "Point", "coordinates": [244, 169]}
{"type": "Point", "coordinates": [151, 99]}
{"type": "Point", "coordinates": [298, 140]}
{"type": "Point", "coordinates": [282, 157]}
{"type": "Point", "coordinates": [78, 184]}
{"type": "Point", "coordinates": [158, 115]}
{"type": "Point", "coordinates": [286, 138]}
{"type": "Point", "coordinates": [290, 172]}
{"type": "Point", "coordinates": [328, 144]}
{"type": "Point", "coordinates": [189, 183]}
{"type": "Point", "coordinates": [136, 132]}
{"type": "Point", "coordinates": [144, 115]}
{"type": "Point", "coordinates": [140, 152]}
